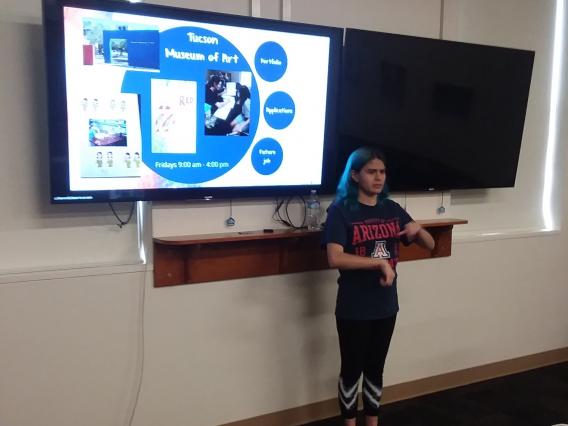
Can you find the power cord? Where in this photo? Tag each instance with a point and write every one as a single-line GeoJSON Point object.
{"type": "Point", "coordinates": [284, 218]}
{"type": "Point", "coordinates": [441, 209]}
{"type": "Point", "coordinates": [140, 359]}
{"type": "Point", "coordinates": [140, 369]}
{"type": "Point", "coordinates": [230, 221]}
{"type": "Point", "coordinates": [121, 222]}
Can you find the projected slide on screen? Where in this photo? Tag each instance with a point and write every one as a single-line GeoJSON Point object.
{"type": "Point", "coordinates": [162, 103]}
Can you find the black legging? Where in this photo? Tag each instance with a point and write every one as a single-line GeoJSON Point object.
{"type": "Point", "coordinates": [363, 345]}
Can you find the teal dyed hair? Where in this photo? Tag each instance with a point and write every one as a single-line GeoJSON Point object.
{"type": "Point", "coordinates": [348, 189]}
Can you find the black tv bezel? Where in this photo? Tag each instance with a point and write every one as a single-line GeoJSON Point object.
{"type": "Point", "coordinates": [419, 185]}
{"type": "Point", "coordinates": [57, 104]}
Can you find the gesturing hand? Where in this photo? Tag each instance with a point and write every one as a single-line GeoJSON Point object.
{"type": "Point", "coordinates": [411, 229]}
{"type": "Point", "coordinates": [388, 275]}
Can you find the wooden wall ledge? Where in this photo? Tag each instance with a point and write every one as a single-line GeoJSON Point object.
{"type": "Point", "coordinates": [191, 259]}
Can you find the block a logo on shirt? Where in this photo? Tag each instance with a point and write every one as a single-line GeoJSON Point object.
{"type": "Point", "coordinates": [380, 250]}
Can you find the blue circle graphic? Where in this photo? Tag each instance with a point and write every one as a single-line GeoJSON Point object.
{"type": "Point", "coordinates": [185, 150]}
{"type": "Point", "coordinates": [279, 110]}
{"type": "Point", "coordinates": [266, 156]}
{"type": "Point", "coordinates": [271, 61]}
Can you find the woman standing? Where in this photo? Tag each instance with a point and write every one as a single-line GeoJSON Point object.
{"type": "Point", "coordinates": [362, 234]}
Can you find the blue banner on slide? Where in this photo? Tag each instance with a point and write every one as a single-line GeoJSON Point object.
{"type": "Point", "coordinates": [279, 110]}
{"type": "Point", "coordinates": [266, 156]}
{"type": "Point", "coordinates": [271, 61]}
{"type": "Point", "coordinates": [191, 58]}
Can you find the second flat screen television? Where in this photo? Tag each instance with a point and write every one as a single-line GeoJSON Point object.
{"type": "Point", "coordinates": [150, 102]}
{"type": "Point", "coordinates": [447, 115]}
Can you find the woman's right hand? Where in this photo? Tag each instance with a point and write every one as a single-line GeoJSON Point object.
{"type": "Point", "coordinates": [388, 274]}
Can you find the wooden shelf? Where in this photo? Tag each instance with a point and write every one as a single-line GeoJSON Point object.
{"type": "Point", "coordinates": [190, 259]}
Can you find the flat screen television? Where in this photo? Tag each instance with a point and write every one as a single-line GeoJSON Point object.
{"type": "Point", "coordinates": [447, 115]}
{"type": "Point", "coordinates": [149, 102]}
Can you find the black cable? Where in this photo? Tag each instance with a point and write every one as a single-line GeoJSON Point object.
{"type": "Point", "coordinates": [121, 222]}
{"type": "Point", "coordinates": [277, 216]}
{"type": "Point", "coordinates": [230, 221]}
{"type": "Point", "coordinates": [284, 218]}
{"type": "Point", "coordinates": [441, 209]}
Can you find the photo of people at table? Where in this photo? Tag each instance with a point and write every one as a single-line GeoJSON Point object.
{"type": "Point", "coordinates": [107, 132]}
{"type": "Point", "coordinates": [227, 103]}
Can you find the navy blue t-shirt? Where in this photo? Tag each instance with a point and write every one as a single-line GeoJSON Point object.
{"type": "Point", "coordinates": [370, 231]}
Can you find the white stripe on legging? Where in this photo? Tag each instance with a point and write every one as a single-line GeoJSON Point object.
{"type": "Point", "coordinates": [377, 390]}
{"type": "Point", "coordinates": [347, 396]}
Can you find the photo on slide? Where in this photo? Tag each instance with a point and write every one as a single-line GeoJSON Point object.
{"type": "Point", "coordinates": [227, 103]}
{"type": "Point", "coordinates": [107, 132]}
{"type": "Point", "coordinates": [121, 44]}
{"type": "Point", "coordinates": [174, 116]}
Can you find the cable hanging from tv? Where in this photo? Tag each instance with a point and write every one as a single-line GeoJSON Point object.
{"type": "Point", "coordinates": [121, 222]}
{"type": "Point", "coordinates": [284, 217]}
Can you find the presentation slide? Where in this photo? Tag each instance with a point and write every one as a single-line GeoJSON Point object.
{"type": "Point", "coordinates": [161, 103]}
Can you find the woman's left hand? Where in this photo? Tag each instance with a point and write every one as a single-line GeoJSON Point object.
{"type": "Point", "coordinates": [411, 230]}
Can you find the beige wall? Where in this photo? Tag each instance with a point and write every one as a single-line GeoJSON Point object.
{"type": "Point", "coordinates": [230, 350]}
